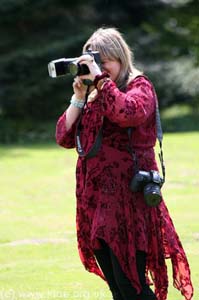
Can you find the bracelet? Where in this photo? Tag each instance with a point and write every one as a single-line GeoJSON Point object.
{"type": "Point", "coordinates": [99, 77]}
{"type": "Point", "coordinates": [77, 103]}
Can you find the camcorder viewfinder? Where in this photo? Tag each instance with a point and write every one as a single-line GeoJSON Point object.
{"type": "Point", "coordinates": [65, 66]}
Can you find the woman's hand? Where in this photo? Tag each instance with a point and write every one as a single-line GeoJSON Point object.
{"type": "Point", "coordinates": [93, 67]}
{"type": "Point", "coordinates": [79, 88]}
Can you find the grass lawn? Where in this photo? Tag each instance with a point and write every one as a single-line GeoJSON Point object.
{"type": "Point", "coordinates": [38, 253]}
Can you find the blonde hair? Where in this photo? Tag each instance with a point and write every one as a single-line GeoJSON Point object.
{"type": "Point", "coordinates": [110, 44]}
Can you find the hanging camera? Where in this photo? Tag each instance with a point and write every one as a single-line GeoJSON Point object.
{"type": "Point", "coordinates": [150, 183]}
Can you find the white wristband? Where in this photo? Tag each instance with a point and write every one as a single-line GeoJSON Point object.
{"type": "Point", "coordinates": [77, 103]}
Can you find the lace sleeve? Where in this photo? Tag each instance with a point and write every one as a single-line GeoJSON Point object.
{"type": "Point", "coordinates": [65, 138]}
{"type": "Point", "coordinates": [131, 108]}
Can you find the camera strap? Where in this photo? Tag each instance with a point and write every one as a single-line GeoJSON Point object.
{"type": "Point", "coordinates": [160, 138]}
{"type": "Point", "coordinates": [159, 135]}
{"type": "Point", "coordinates": [98, 141]}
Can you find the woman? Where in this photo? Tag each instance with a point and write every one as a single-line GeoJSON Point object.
{"type": "Point", "coordinates": [120, 237]}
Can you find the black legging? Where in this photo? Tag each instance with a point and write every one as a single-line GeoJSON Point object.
{"type": "Point", "coordinates": [118, 282]}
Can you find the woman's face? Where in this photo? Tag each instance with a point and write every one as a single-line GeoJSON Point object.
{"type": "Point", "coordinates": [112, 67]}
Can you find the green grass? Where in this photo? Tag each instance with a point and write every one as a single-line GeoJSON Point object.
{"type": "Point", "coordinates": [38, 253]}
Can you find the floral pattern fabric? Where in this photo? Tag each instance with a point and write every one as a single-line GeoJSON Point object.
{"type": "Point", "coordinates": [106, 207]}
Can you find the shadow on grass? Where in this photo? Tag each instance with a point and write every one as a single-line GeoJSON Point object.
{"type": "Point", "coordinates": [21, 150]}
{"type": "Point", "coordinates": [184, 123]}
{"type": "Point", "coordinates": [42, 134]}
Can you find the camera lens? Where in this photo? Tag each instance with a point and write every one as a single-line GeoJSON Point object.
{"type": "Point", "coordinates": [152, 194]}
{"type": "Point", "coordinates": [76, 69]}
{"type": "Point", "coordinates": [73, 68]}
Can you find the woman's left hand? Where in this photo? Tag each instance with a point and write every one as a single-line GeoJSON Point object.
{"type": "Point", "coordinates": [93, 67]}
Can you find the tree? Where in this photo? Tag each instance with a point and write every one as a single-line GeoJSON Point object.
{"type": "Point", "coordinates": [163, 35]}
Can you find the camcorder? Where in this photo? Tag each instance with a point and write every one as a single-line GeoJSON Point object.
{"type": "Point", "coordinates": [64, 66]}
{"type": "Point", "coordinates": [150, 183]}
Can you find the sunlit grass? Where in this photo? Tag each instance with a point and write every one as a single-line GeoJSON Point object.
{"type": "Point", "coordinates": [37, 212]}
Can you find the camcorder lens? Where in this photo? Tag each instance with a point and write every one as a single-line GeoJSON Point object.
{"type": "Point", "coordinates": [76, 69]}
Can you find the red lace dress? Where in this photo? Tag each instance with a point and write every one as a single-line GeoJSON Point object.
{"type": "Point", "coordinates": [106, 208]}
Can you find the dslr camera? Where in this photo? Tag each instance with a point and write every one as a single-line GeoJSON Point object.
{"type": "Point", "coordinates": [150, 183]}
{"type": "Point", "coordinates": [64, 66]}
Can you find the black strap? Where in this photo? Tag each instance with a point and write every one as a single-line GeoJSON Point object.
{"type": "Point", "coordinates": [94, 149]}
{"type": "Point", "coordinates": [159, 134]}
{"type": "Point", "coordinates": [98, 141]}
{"type": "Point", "coordinates": [160, 138]}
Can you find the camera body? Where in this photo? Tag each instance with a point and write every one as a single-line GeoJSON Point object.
{"type": "Point", "coordinates": [64, 66]}
{"type": "Point", "coordinates": [150, 183]}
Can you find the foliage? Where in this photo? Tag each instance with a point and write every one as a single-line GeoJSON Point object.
{"type": "Point", "coordinates": [162, 33]}
{"type": "Point", "coordinates": [175, 50]}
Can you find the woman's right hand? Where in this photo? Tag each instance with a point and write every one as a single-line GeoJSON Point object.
{"type": "Point", "coordinates": [79, 88]}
